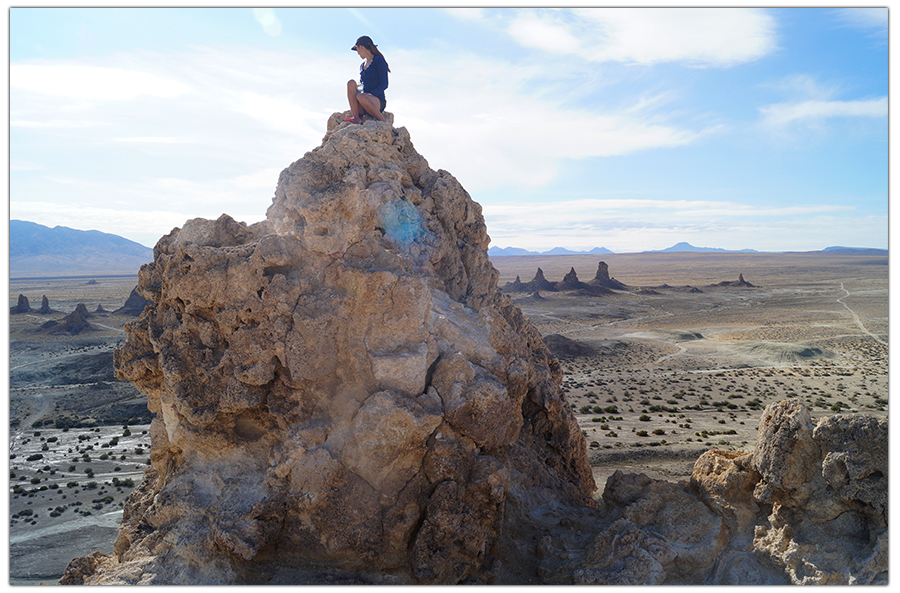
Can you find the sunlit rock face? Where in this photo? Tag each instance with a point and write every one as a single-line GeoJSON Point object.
{"type": "Point", "coordinates": [807, 506]}
{"type": "Point", "coordinates": [340, 387]}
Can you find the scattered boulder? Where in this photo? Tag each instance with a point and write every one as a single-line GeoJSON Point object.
{"type": "Point", "coordinates": [21, 306]}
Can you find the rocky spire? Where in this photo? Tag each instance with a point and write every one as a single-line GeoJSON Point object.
{"type": "Point", "coordinates": [21, 306]}
{"type": "Point", "coordinates": [341, 385]}
{"type": "Point", "coordinates": [602, 278]}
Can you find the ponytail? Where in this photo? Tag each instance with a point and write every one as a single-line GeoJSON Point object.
{"type": "Point", "coordinates": [374, 50]}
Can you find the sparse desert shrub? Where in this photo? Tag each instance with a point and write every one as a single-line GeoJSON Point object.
{"type": "Point", "coordinates": [34, 457]}
{"type": "Point", "coordinates": [644, 418]}
{"type": "Point", "coordinates": [659, 431]}
{"type": "Point", "coordinates": [642, 433]}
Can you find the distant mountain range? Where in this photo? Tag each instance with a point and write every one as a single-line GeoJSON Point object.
{"type": "Point", "coordinates": [37, 250]}
{"type": "Point", "coordinates": [681, 247]}
{"type": "Point", "coordinates": [554, 251]}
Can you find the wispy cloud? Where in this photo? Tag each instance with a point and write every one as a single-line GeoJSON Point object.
{"type": "Point", "coordinates": [782, 114]}
{"type": "Point", "coordinates": [701, 37]}
{"type": "Point", "coordinates": [522, 137]}
{"type": "Point", "coordinates": [872, 19]}
{"type": "Point", "coordinates": [626, 225]}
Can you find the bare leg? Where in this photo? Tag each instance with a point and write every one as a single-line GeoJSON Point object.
{"type": "Point", "coordinates": [352, 95]}
{"type": "Point", "coordinates": [370, 104]}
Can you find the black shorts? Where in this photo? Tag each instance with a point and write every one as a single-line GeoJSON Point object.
{"type": "Point", "coordinates": [383, 102]}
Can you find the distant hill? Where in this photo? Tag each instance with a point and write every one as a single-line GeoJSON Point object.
{"type": "Point", "coordinates": [36, 250]}
{"type": "Point", "coordinates": [683, 247]}
{"type": "Point", "coordinates": [854, 251]}
{"type": "Point", "coordinates": [498, 251]}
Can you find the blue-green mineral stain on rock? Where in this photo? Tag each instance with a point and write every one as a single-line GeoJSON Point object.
{"type": "Point", "coordinates": [401, 221]}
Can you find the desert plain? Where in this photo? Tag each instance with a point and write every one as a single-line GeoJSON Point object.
{"type": "Point", "coordinates": [672, 365]}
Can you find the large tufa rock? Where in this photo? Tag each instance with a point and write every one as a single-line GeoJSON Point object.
{"type": "Point", "coordinates": [570, 284]}
{"type": "Point", "coordinates": [603, 279]}
{"type": "Point", "coordinates": [21, 306]}
{"type": "Point", "coordinates": [72, 324]}
{"type": "Point", "coordinates": [134, 304]}
{"type": "Point", "coordinates": [338, 387]}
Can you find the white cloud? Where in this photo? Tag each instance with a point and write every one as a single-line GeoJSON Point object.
{"type": "Point", "coordinates": [543, 34]}
{"type": "Point", "coordinates": [521, 137]}
{"type": "Point", "coordinates": [97, 83]}
{"type": "Point", "coordinates": [705, 37]}
{"type": "Point", "coordinates": [781, 114]}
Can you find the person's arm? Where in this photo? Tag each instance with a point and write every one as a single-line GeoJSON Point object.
{"type": "Point", "coordinates": [381, 68]}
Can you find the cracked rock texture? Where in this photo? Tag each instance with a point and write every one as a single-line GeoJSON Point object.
{"type": "Point", "coordinates": [340, 388]}
{"type": "Point", "coordinates": [808, 506]}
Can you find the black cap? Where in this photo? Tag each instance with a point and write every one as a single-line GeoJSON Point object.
{"type": "Point", "coordinates": [364, 41]}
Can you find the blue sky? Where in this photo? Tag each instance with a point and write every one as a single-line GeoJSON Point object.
{"type": "Point", "coordinates": [630, 129]}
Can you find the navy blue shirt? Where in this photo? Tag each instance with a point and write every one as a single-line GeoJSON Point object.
{"type": "Point", "coordinates": [374, 78]}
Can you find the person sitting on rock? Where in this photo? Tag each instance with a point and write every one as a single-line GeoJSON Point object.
{"type": "Point", "coordinates": [373, 75]}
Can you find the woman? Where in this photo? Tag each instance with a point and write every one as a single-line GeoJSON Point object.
{"type": "Point", "coordinates": [373, 74]}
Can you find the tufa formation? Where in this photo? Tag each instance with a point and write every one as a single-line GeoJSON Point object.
{"type": "Point", "coordinates": [343, 396]}
{"type": "Point", "coordinates": [339, 388]}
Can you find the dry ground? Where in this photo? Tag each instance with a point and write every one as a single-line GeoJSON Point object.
{"type": "Point", "coordinates": [78, 441]}
{"type": "Point", "coordinates": [673, 374]}
{"type": "Point", "coordinates": [676, 372]}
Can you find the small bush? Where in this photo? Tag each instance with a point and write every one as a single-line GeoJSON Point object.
{"type": "Point", "coordinates": [642, 433]}
{"type": "Point", "coordinates": [644, 418]}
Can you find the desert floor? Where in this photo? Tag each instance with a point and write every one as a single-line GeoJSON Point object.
{"type": "Point", "coordinates": [674, 372]}
{"type": "Point", "coordinates": [677, 372]}
{"type": "Point", "coordinates": [78, 438]}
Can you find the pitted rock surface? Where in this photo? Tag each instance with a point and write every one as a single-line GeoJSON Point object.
{"type": "Point", "coordinates": [340, 387]}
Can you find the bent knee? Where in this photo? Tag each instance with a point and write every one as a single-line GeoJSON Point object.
{"type": "Point", "coordinates": [351, 84]}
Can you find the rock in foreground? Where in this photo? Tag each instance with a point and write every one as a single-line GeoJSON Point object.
{"type": "Point", "coordinates": [338, 388]}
